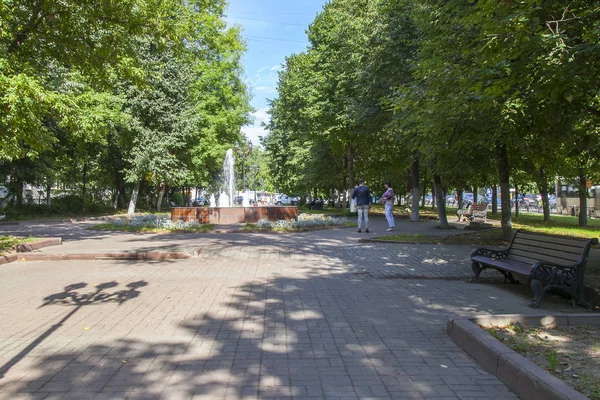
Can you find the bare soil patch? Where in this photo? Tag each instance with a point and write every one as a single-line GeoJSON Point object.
{"type": "Point", "coordinates": [572, 354]}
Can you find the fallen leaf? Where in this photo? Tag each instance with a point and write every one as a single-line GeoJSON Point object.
{"type": "Point", "coordinates": [86, 328]}
{"type": "Point", "coordinates": [443, 366]}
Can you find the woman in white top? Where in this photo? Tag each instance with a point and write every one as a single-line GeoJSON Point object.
{"type": "Point", "coordinates": [388, 202]}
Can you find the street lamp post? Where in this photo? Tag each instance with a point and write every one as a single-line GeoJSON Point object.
{"type": "Point", "coordinates": [244, 153]}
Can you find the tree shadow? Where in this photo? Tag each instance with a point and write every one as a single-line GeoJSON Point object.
{"type": "Point", "coordinates": [71, 297]}
{"type": "Point", "coordinates": [316, 334]}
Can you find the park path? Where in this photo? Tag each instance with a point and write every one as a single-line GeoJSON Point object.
{"type": "Point", "coordinates": [252, 317]}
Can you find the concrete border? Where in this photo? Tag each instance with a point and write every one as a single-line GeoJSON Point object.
{"type": "Point", "coordinates": [25, 252]}
{"type": "Point", "coordinates": [27, 247]}
{"type": "Point", "coordinates": [522, 376]}
{"type": "Point", "coordinates": [124, 255]}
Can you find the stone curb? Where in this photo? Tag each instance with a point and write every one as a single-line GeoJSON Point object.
{"type": "Point", "coordinates": [24, 252]}
{"type": "Point", "coordinates": [417, 243]}
{"type": "Point", "coordinates": [522, 376]}
{"type": "Point", "coordinates": [388, 241]}
{"type": "Point", "coordinates": [141, 255]}
{"type": "Point", "coordinates": [27, 247]}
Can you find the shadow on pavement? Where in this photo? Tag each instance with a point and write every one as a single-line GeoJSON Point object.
{"type": "Point", "coordinates": [71, 297]}
{"type": "Point", "coordinates": [312, 335]}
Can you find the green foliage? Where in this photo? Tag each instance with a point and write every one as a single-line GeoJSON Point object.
{"type": "Point", "coordinates": [97, 94]}
{"type": "Point", "coordinates": [475, 90]}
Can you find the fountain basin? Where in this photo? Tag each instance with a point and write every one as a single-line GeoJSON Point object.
{"type": "Point", "coordinates": [233, 215]}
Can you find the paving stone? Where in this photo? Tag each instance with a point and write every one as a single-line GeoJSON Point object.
{"type": "Point", "coordinates": [251, 317]}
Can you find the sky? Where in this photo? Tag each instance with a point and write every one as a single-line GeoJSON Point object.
{"type": "Point", "coordinates": [273, 30]}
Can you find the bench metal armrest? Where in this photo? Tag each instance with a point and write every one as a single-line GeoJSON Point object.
{"type": "Point", "coordinates": [491, 253]}
{"type": "Point", "coordinates": [547, 265]}
{"type": "Point", "coordinates": [554, 274]}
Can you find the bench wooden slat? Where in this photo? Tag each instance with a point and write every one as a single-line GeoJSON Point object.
{"type": "Point", "coordinates": [543, 253]}
{"type": "Point", "coordinates": [515, 255]}
{"type": "Point", "coordinates": [552, 239]}
{"type": "Point", "coordinates": [513, 266]}
{"type": "Point", "coordinates": [546, 245]}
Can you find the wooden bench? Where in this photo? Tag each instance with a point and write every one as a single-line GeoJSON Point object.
{"type": "Point", "coordinates": [549, 262]}
{"type": "Point", "coordinates": [478, 210]}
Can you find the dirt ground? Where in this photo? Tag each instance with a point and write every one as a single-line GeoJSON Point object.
{"type": "Point", "coordinates": [570, 353]}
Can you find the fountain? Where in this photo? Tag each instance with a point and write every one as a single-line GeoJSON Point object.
{"type": "Point", "coordinates": [227, 195]}
{"type": "Point", "coordinates": [227, 212]}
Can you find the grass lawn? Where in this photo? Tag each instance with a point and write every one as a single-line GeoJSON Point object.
{"type": "Point", "coordinates": [491, 237]}
{"type": "Point", "coordinates": [143, 229]}
{"type": "Point", "coordinates": [8, 242]}
{"type": "Point", "coordinates": [558, 225]}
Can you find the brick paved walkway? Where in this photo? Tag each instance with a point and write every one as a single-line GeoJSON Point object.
{"type": "Point", "coordinates": [279, 320]}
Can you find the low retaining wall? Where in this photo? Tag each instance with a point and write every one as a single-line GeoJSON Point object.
{"type": "Point", "coordinates": [233, 215]}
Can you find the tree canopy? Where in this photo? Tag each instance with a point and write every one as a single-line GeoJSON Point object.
{"type": "Point", "coordinates": [471, 93]}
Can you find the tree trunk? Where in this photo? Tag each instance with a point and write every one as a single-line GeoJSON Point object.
{"type": "Point", "coordinates": [441, 201]}
{"type": "Point", "coordinates": [516, 200]}
{"type": "Point", "coordinates": [84, 188]}
{"type": "Point", "coordinates": [351, 177]}
{"type": "Point", "coordinates": [543, 188]}
{"type": "Point", "coordinates": [433, 195]}
{"type": "Point", "coordinates": [494, 200]}
{"type": "Point", "coordinates": [133, 200]}
{"type": "Point", "coordinates": [504, 175]}
{"type": "Point", "coordinates": [475, 188]}
{"type": "Point", "coordinates": [582, 200]}
{"type": "Point", "coordinates": [459, 198]}
{"type": "Point", "coordinates": [161, 194]}
{"type": "Point", "coordinates": [414, 173]}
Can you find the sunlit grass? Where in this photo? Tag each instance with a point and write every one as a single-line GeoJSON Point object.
{"type": "Point", "coordinates": [8, 242]}
{"type": "Point", "coordinates": [557, 225]}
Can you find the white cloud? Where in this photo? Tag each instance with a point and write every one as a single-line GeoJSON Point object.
{"type": "Point", "coordinates": [253, 133]}
{"type": "Point", "coordinates": [264, 89]}
{"type": "Point", "coordinates": [262, 69]}
{"type": "Point", "coordinates": [277, 67]}
{"type": "Point", "coordinates": [261, 115]}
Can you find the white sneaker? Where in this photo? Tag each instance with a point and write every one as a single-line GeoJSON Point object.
{"type": "Point", "coordinates": [389, 229]}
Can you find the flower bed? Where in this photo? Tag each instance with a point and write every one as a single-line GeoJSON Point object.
{"type": "Point", "coordinates": [304, 222]}
{"type": "Point", "coordinates": [153, 223]}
